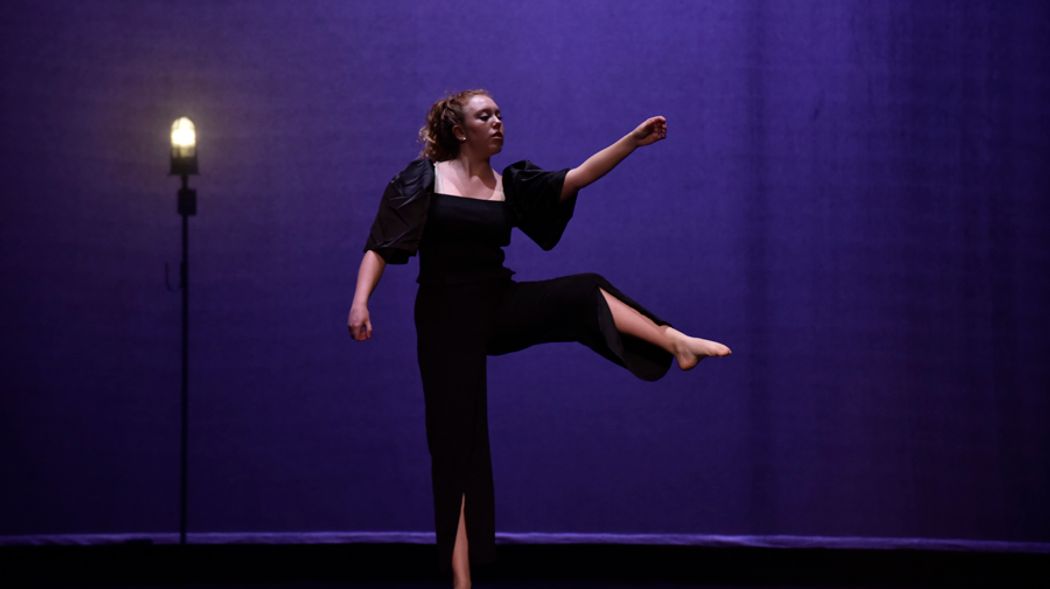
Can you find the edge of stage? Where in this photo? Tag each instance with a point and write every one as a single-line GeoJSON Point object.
{"type": "Point", "coordinates": [411, 557]}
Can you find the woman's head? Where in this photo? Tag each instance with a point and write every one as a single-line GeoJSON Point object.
{"type": "Point", "coordinates": [468, 120]}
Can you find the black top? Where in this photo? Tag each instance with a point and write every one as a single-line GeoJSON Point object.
{"type": "Point", "coordinates": [533, 204]}
{"type": "Point", "coordinates": [463, 240]}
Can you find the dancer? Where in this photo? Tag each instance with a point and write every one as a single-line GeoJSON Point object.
{"type": "Point", "coordinates": [452, 208]}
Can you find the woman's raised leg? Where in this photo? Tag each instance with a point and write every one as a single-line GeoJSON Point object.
{"type": "Point", "coordinates": [687, 350]}
{"type": "Point", "coordinates": [589, 309]}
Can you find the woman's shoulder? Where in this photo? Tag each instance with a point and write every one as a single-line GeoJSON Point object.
{"type": "Point", "coordinates": [526, 169]}
{"type": "Point", "coordinates": [417, 166]}
{"type": "Point", "coordinates": [416, 170]}
{"type": "Point", "coordinates": [519, 166]}
{"type": "Point", "coordinates": [526, 176]}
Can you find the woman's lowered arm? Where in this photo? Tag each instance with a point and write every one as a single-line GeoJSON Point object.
{"type": "Point", "coordinates": [359, 322]}
{"type": "Point", "coordinates": [599, 164]}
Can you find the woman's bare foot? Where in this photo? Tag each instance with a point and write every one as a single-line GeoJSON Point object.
{"type": "Point", "coordinates": [689, 351]}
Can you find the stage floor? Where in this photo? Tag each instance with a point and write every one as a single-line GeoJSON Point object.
{"type": "Point", "coordinates": [405, 566]}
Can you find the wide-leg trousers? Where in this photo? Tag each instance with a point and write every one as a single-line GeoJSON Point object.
{"type": "Point", "coordinates": [457, 327]}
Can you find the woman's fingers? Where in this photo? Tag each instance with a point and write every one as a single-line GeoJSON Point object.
{"type": "Point", "coordinates": [652, 130]}
{"type": "Point", "coordinates": [660, 126]}
{"type": "Point", "coordinates": [359, 331]}
{"type": "Point", "coordinates": [359, 323]}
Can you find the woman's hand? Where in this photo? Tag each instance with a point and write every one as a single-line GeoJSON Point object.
{"type": "Point", "coordinates": [650, 131]}
{"type": "Point", "coordinates": [359, 323]}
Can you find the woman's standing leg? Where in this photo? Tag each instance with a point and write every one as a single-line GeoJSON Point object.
{"type": "Point", "coordinates": [461, 551]}
{"type": "Point", "coordinates": [451, 352]}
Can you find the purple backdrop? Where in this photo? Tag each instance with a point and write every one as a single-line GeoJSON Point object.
{"type": "Point", "coordinates": [852, 195]}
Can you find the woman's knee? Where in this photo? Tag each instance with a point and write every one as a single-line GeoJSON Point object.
{"type": "Point", "coordinates": [594, 278]}
{"type": "Point", "coordinates": [587, 284]}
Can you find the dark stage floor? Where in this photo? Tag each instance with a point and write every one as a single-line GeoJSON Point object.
{"type": "Point", "coordinates": [407, 566]}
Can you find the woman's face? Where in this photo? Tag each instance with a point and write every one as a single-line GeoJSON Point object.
{"type": "Point", "coordinates": [484, 125]}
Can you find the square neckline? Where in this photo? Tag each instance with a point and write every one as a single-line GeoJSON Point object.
{"type": "Point", "coordinates": [436, 176]}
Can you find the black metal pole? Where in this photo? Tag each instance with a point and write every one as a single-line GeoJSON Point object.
{"type": "Point", "coordinates": [185, 279]}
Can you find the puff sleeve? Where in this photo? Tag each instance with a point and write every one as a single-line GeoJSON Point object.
{"type": "Point", "coordinates": [534, 196]}
{"type": "Point", "coordinates": [398, 226]}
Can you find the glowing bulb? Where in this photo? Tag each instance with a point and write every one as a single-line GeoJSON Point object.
{"type": "Point", "coordinates": [183, 147]}
{"type": "Point", "coordinates": [183, 134]}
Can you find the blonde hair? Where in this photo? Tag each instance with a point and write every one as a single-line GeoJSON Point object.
{"type": "Point", "coordinates": [439, 144]}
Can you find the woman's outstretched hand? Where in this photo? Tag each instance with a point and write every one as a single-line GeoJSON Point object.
{"type": "Point", "coordinates": [650, 131]}
{"type": "Point", "coordinates": [359, 323]}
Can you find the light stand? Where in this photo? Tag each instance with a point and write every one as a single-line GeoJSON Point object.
{"type": "Point", "coordinates": [184, 163]}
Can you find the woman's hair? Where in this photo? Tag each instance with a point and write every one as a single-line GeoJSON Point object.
{"type": "Point", "coordinates": [439, 144]}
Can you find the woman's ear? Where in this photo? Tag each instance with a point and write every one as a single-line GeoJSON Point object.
{"type": "Point", "coordinates": [459, 133]}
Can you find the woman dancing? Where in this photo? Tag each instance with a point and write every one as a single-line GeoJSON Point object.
{"type": "Point", "coordinates": [452, 208]}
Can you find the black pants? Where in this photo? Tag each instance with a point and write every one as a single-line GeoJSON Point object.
{"type": "Point", "coordinates": [457, 327]}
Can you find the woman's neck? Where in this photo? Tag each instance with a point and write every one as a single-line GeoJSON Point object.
{"type": "Point", "coordinates": [472, 167]}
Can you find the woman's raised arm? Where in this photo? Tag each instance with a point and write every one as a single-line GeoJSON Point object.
{"type": "Point", "coordinates": [650, 131]}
